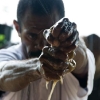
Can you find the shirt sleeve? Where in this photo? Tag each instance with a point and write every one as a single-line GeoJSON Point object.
{"type": "Point", "coordinates": [91, 71]}
{"type": "Point", "coordinates": [6, 55]}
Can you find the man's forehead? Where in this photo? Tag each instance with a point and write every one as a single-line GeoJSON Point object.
{"type": "Point", "coordinates": [40, 22]}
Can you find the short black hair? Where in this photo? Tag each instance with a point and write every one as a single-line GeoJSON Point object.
{"type": "Point", "coordinates": [39, 7]}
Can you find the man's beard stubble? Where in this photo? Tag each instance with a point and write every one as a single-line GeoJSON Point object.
{"type": "Point", "coordinates": [29, 53]}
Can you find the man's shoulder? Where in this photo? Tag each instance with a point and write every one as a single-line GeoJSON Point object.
{"type": "Point", "coordinates": [14, 52]}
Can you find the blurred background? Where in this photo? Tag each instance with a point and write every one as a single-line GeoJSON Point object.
{"type": "Point", "coordinates": [83, 12]}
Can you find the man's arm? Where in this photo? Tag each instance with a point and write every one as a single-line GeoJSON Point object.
{"type": "Point", "coordinates": [15, 75]}
{"type": "Point", "coordinates": [64, 36]}
{"type": "Point", "coordinates": [81, 70]}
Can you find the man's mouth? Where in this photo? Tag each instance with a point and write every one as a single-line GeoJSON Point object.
{"type": "Point", "coordinates": [34, 54]}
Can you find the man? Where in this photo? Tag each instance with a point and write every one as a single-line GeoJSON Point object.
{"type": "Point", "coordinates": [26, 67]}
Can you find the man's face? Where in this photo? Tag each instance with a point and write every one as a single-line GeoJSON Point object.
{"type": "Point", "coordinates": [32, 32]}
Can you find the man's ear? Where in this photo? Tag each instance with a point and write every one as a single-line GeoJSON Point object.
{"type": "Point", "coordinates": [17, 27]}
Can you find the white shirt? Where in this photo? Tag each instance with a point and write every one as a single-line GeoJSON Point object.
{"type": "Point", "coordinates": [69, 90]}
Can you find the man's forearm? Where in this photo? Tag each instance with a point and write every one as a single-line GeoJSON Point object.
{"type": "Point", "coordinates": [15, 75]}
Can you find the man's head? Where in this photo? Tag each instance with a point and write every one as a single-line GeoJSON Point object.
{"type": "Point", "coordinates": [33, 17]}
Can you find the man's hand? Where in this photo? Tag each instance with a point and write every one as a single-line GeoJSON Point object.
{"type": "Point", "coordinates": [63, 38]}
{"type": "Point", "coordinates": [63, 35]}
{"type": "Point", "coordinates": [53, 63]}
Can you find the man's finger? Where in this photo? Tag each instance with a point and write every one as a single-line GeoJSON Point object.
{"type": "Point", "coordinates": [68, 42]}
{"type": "Point", "coordinates": [70, 48]}
{"type": "Point", "coordinates": [55, 52]}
